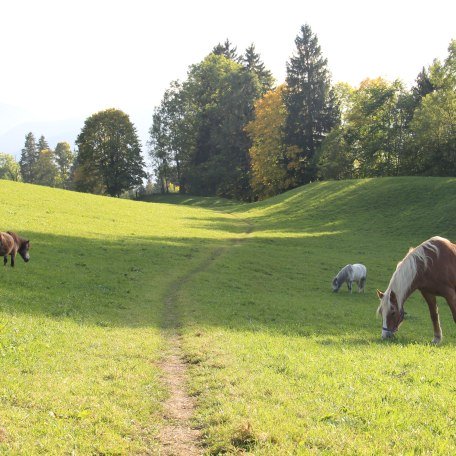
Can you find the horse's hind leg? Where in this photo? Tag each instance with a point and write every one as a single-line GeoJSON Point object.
{"type": "Point", "coordinates": [361, 285]}
{"type": "Point", "coordinates": [5, 260]}
{"type": "Point", "coordinates": [12, 259]}
{"type": "Point", "coordinates": [434, 311]}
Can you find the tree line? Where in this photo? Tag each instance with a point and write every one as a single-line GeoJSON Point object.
{"type": "Point", "coordinates": [227, 130]}
{"type": "Point", "coordinates": [107, 160]}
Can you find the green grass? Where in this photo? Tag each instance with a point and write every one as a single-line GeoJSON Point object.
{"type": "Point", "coordinates": [281, 365]}
{"type": "Point", "coordinates": [278, 363]}
{"type": "Point", "coordinates": [80, 324]}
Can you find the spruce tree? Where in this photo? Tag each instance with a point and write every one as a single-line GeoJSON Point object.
{"type": "Point", "coordinates": [423, 86]}
{"type": "Point", "coordinates": [226, 49]}
{"type": "Point", "coordinates": [311, 106]}
{"type": "Point", "coordinates": [252, 62]}
{"type": "Point", "coordinates": [29, 157]}
{"type": "Point", "coordinates": [42, 144]}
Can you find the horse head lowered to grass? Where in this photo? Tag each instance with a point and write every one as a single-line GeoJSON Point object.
{"type": "Point", "coordinates": [11, 244]}
{"type": "Point", "coordinates": [429, 268]}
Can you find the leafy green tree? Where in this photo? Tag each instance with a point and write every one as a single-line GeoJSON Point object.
{"type": "Point", "coordinates": [252, 62]}
{"type": "Point", "coordinates": [109, 154]}
{"type": "Point", "coordinates": [373, 132]}
{"type": "Point", "coordinates": [64, 158]}
{"type": "Point", "coordinates": [434, 127]}
{"type": "Point", "coordinates": [9, 168]}
{"type": "Point", "coordinates": [434, 123]}
{"type": "Point", "coordinates": [220, 96]}
{"type": "Point", "coordinates": [160, 152]}
{"type": "Point", "coordinates": [29, 156]}
{"type": "Point", "coordinates": [171, 137]}
{"type": "Point", "coordinates": [336, 159]}
{"type": "Point", "coordinates": [45, 169]}
{"type": "Point", "coordinates": [311, 106]}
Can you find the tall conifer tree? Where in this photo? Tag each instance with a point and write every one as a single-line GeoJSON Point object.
{"type": "Point", "coordinates": [252, 62]}
{"type": "Point", "coordinates": [29, 157]}
{"type": "Point", "coordinates": [226, 49]}
{"type": "Point", "coordinates": [311, 106]}
{"type": "Point", "coordinates": [42, 144]}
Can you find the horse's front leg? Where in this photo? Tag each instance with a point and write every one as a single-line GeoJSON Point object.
{"type": "Point", "coordinates": [450, 296]}
{"type": "Point", "coordinates": [434, 311]}
{"type": "Point", "coordinates": [349, 285]}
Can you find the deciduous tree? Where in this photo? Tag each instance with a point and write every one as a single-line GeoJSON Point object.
{"type": "Point", "coordinates": [109, 155]}
{"type": "Point", "coordinates": [45, 170]}
{"type": "Point", "coordinates": [64, 160]}
{"type": "Point", "coordinates": [9, 168]}
{"type": "Point", "coordinates": [434, 123]}
{"type": "Point", "coordinates": [267, 154]}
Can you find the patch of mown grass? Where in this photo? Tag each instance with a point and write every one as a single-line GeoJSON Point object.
{"type": "Point", "coordinates": [80, 324]}
{"type": "Point", "coordinates": [288, 367]}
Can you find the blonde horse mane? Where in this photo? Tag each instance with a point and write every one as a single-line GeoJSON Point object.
{"type": "Point", "coordinates": [406, 271]}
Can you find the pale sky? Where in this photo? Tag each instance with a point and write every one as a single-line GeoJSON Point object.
{"type": "Point", "coordinates": [70, 58]}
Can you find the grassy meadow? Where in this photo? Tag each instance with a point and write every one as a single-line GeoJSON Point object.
{"type": "Point", "coordinates": [278, 363]}
{"type": "Point", "coordinates": [281, 365]}
{"type": "Point", "coordinates": [80, 324]}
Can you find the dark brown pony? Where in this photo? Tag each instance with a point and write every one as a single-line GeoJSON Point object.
{"type": "Point", "coordinates": [430, 268]}
{"type": "Point", "coordinates": [11, 244]}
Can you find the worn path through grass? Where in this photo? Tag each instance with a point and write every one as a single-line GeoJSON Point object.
{"type": "Point", "coordinates": [178, 436]}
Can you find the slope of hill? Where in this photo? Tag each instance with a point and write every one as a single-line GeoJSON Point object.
{"type": "Point", "coordinates": [278, 363]}
{"type": "Point", "coordinates": [81, 323]}
{"type": "Point", "coordinates": [281, 365]}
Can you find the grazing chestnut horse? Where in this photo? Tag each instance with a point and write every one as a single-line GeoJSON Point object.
{"type": "Point", "coordinates": [11, 244]}
{"type": "Point", "coordinates": [430, 268]}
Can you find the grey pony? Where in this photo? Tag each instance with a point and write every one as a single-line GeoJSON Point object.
{"type": "Point", "coordinates": [349, 274]}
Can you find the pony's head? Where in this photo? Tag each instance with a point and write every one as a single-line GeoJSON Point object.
{"type": "Point", "coordinates": [391, 312]}
{"type": "Point", "coordinates": [24, 250]}
{"type": "Point", "coordinates": [336, 284]}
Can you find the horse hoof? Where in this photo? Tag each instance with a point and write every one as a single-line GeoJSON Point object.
{"type": "Point", "coordinates": [436, 340]}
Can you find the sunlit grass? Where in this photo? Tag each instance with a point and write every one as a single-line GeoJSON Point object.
{"type": "Point", "coordinates": [281, 365]}
{"type": "Point", "coordinates": [80, 323]}
{"type": "Point", "coordinates": [278, 363]}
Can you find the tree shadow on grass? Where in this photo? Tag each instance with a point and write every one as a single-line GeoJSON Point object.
{"type": "Point", "coordinates": [281, 288]}
{"type": "Point", "coordinates": [107, 282]}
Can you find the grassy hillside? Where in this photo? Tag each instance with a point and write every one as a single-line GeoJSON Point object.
{"type": "Point", "coordinates": [80, 324]}
{"type": "Point", "coordinates": [279, 364]}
